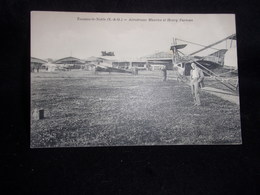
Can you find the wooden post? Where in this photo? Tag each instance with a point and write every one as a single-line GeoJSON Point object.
{"type": "Point", "coordinates": [41, 114]}
{"type": "Point", "coordinates": [38, 114]}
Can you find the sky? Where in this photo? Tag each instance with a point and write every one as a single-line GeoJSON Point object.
{"type": "Point", "coordinates": [61, 34]}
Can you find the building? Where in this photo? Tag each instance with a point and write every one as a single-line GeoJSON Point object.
{"type": "Point", "coordinates": [93, 60]}
{"type": "Point", "coordinates": [36, 64]}
{"type": "Point", "coordinates": [121, 64]}
{"type": "Point", "coordinates": [69, 63]}
{"type": "Point", "coordinates": [108, 60]}
{"type": "Point", "coordinates": [159, 60]}
{"type": "Point", "coordinates": [217, 57]}
{"type": "Point", "coordinates": [141, 65]}
{"type": "Point", "coordinates": [103, 60]}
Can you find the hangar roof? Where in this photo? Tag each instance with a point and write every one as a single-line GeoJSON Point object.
{"type": "Point", "coordinates": [69, 59]}
{"type": "Point", "coordinates": [37, 60]}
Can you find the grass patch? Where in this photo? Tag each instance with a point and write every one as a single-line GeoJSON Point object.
{"type": "Point", "coordinates": [122, 109]}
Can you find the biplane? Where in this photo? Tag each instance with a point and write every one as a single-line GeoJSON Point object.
{"type": "Point", "coordinates": [217, 65]}
{"type": "Point", "coordinates": [102, 64]}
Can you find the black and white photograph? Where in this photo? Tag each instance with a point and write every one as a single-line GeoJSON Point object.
{"type": "Point", "coordinates": [121, 79]}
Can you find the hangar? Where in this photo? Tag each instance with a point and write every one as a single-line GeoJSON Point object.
{"type": "Point", "coordinates": [160, 60]}
{"type": "Point", "coordinates": [36, 64]}
{"type": "Point", "coordinates": [70, 63]}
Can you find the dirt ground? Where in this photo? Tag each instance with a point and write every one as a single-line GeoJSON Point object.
{"type": "Point", "coordinates": [83, 109]}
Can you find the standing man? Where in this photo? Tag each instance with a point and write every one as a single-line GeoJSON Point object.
{"type": "Point", "coordinates": [196, 76]}
{"type": "Point", "coordinates": [136, 71]}
{"type": "Point", "coordinates": [164, 73]}
{"type": "Point", "coordinates": [95, 70]}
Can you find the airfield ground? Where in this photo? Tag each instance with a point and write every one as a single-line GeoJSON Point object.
{"type": "Point", "coordinates": [83, 109]}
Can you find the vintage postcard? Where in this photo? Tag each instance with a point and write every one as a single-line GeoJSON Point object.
{"type": "Point", "coordinates": [117, 79]}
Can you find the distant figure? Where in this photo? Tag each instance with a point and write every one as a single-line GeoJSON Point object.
{"type": "Point", "coordinates": [95, 70]}
{"type": "Point", "coordinates": [164, 73]}
{"type": "Point", "coordinates": [180, 75]}
{"type": "Point", "coordinates": [135, 71]}
{"type": "Point", "coordinates": [196, 76]}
